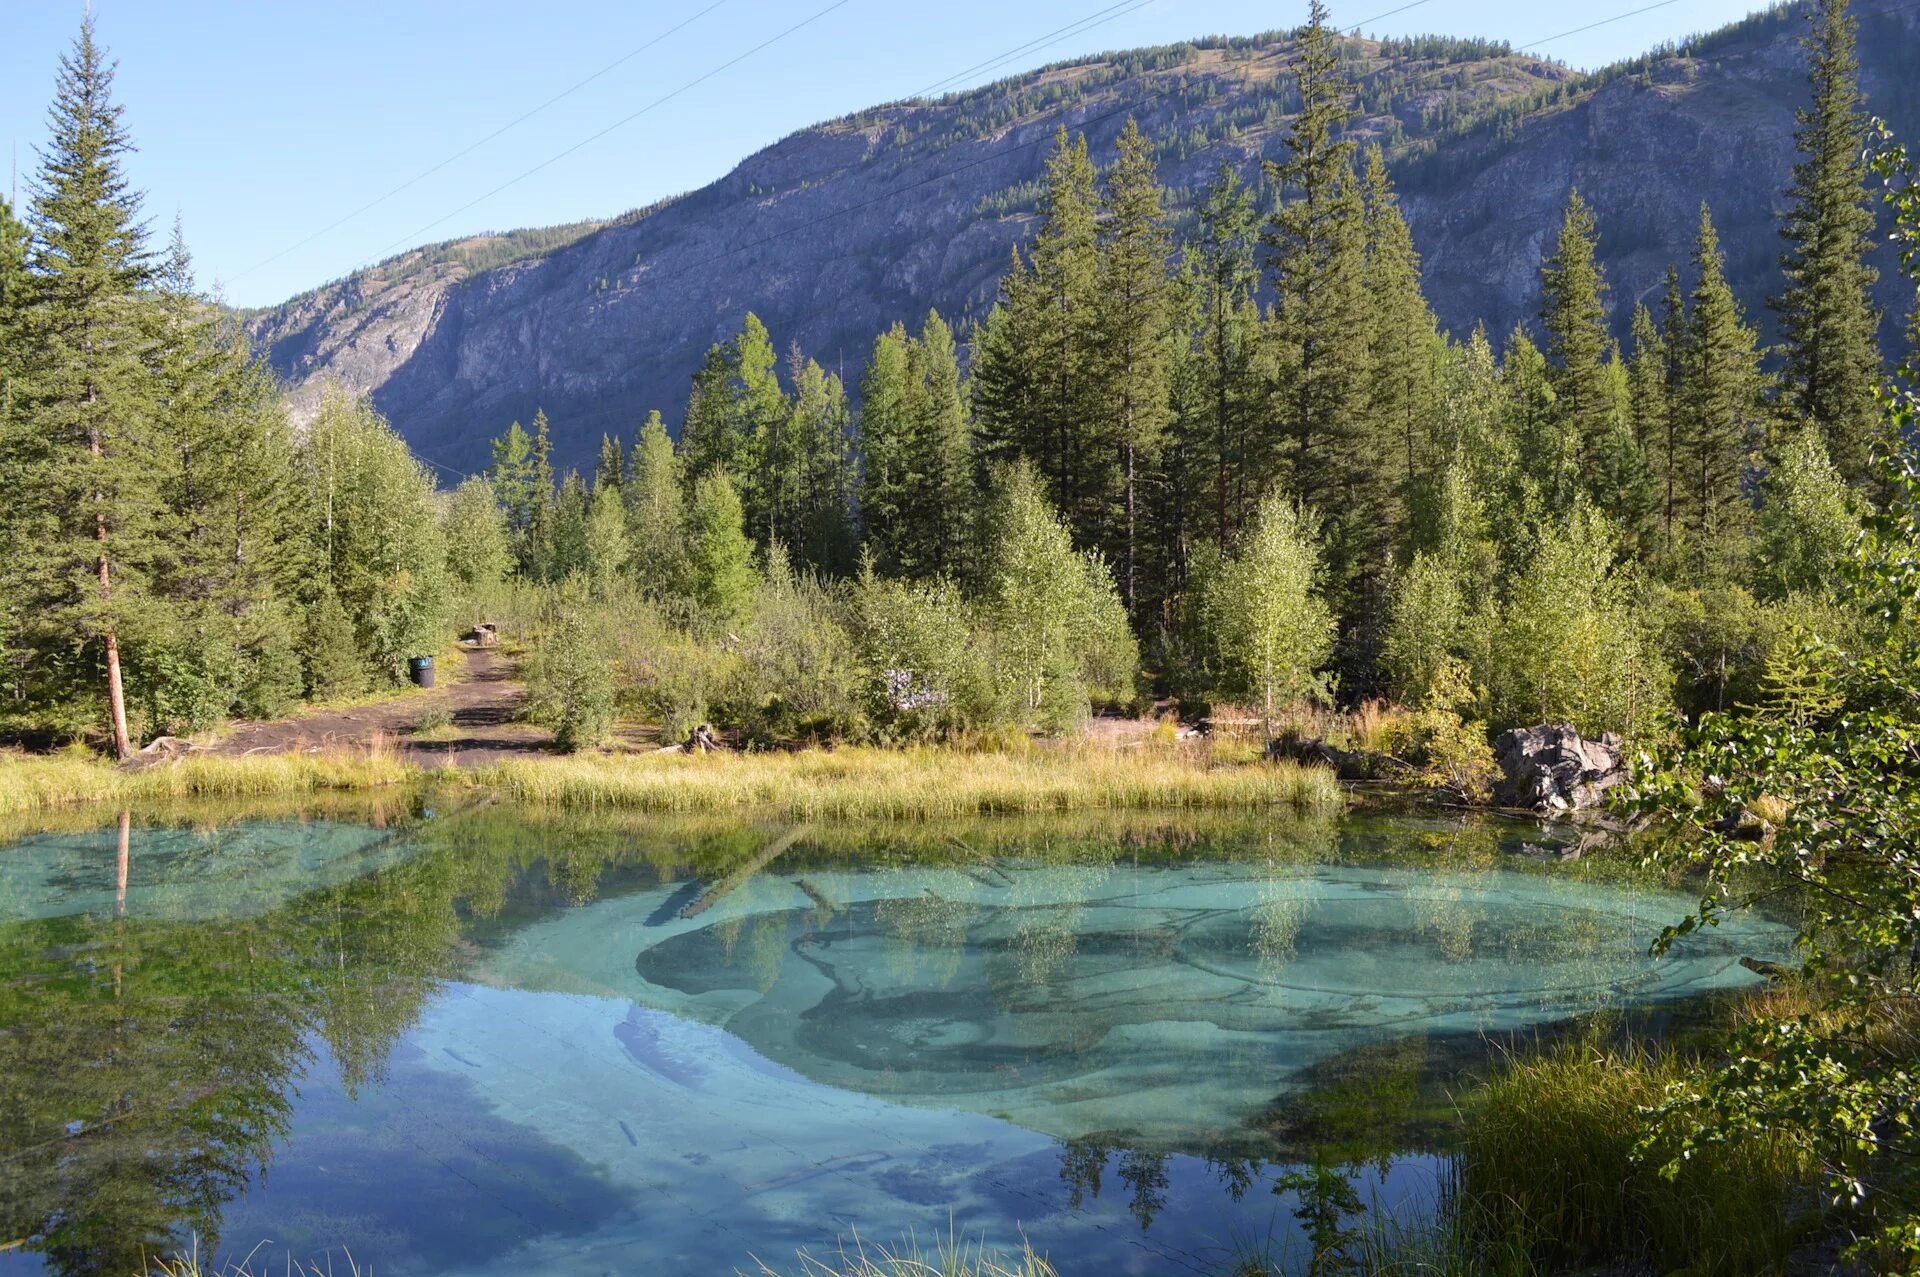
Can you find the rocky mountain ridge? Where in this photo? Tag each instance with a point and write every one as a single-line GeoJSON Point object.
{"type": "Point", "coordinates": [837, 231]}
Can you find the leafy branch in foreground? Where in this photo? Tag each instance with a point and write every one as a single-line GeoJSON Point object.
{"type": "Point", "coordinates": [1813, 797]}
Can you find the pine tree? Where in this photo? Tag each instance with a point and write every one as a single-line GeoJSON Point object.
{"type": "Point", "coordinates": [610, 471]}
{"type": "Point", "coordinates": [1063, 433]}
{"type": "Point", "coordinates": [941, 471]}
{"type": "Point", "coordinates": [656, 521]}
{"type": "Point", "coordinates": [815, 517]}
{"type": "Point", "coordinates": [707, 438]}
{"type": "Point", "coordinates": [1720, 407]}
{"type": "Point", "coordinates": [1826, 312]}
{"type": "Point", "coordinates": [1574, 312]}
{"type": "Point", "coordinates": [1007, 381]}
{"type": "Point", "coordinates": [1230, 332]}
{"type": "Point", "coordinates": [1649, 410]}
{"type": "Point", "coordinates": [1317, 244]}
{"type": "Point", "coordinates": [1404, 342]}
{"type": "Point", "coordinates": [761, 413]}
{"type": "Point", "coordinates": [229, 556]}
{"type": "Point", "coordinates": [720, 557]}
{"type": "Point", "coordinates": [567, 541]}
{"type": "Point", "coordinates": [86, 501]}
{"type": "Point", "coordinates": [1134, 349]}
{"type": "Point", "coordinates": [541, 555]}
{"type": "Point", "coordinates": [14, 284]}
{"type": "Point", "coordinates": [511, 477]}
{"type": "Point", "coordinates": [886, 448]}
{"type": "Point", "coordinates": [604, 540]}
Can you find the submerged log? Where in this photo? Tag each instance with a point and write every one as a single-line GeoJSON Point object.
{"type": "Point", "coordinates": [770, 853]}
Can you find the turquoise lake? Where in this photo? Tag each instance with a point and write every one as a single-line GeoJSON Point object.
{"type": "Point", "coordinates": [493, 1040]}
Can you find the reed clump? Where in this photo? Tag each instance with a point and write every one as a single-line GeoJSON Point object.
{"type": "Point", "coordinates": [953, 1257]}
{"type": "Point", "coordinates": [913, 784]}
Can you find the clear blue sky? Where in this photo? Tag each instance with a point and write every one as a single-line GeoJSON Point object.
{"type": "Point", "coordinates": [261, 123]}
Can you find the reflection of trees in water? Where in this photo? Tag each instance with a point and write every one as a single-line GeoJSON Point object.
{"type": "Point", "coordinates": [927, 938]}
{"type": "Point", "coordinates": [1083, 1163]}
{"type": "Point", "coordinates": [146, 1067]}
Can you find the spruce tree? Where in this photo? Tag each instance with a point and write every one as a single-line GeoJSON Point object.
{"type": "Point", "coordinates": [760, 416]}
{"type": "Point", "coordinates": [656, 520]}
{"type": "Point", "coordinates": [1827, 316]}
{"type": "Point", "coordinates": [1649, 410]}
{"type": "Point", "coordinates": [1404, 342]}
{"type": "Point", "coordinates": [541, 554]}
{"type": "Point", "coordinates": [1574, 312]}
{"type": "Point", "coordinates": [1134, 339]}
{"type": "Point", "coordinates": [511, 477]}
{"type": "Point", "coordinates": [1719, 406]}
{"type": "Point", "coordinates": [611, 468]}
{"type": "Point", "coordinates": [1064, 431]}
{"type": "Point", "coordinates": [86, 500]}
{"type": "Point", "coordinates": [707, 438]}
{"type": "Point", "coordinates": [1229, 335]}
{"type": "Point", "coordinates": [1317, 243]}
{"type": "Point", "coordinates": [815, 517]}
{"type": "Point", "coordinates": [720, 556]}
{"type": "Point", "coordinates": [567, 540]}
{"type": "Point", "coordinates": [886, 448]}
{"type": "Point", "coordinates": [1008, 379]}
{"type": "Point", "coordinates": [942, 495]}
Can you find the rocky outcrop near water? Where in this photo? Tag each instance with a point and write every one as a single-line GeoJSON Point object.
{"type": "Point", "coordinates": [1552, 769]}
{"type": "Point", "coordinates": [836, 232]}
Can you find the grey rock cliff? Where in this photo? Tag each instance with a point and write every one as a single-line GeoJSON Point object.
{"type": "Point", "coordinates": [836, 232]}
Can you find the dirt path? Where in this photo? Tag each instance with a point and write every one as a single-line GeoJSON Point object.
{"type": "Point", "coordinates": [484, 706]}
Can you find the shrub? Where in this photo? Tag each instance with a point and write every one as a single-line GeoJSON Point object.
{"type": "Point", "coordinates": [570, 688]}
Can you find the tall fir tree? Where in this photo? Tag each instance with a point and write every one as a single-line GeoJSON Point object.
{"type": "Point", "coordinates": [1229, 335]}
{"type": "Point", "coordinates": [1574, 312]}
{"type": "Point", "coordinates": [814, 517]}
{"type": "Point", "coordinates": [1405, 345]}
{"type": "Point", "coordinates": [656, 513]}
{"type": "Point", "coordinates": [1827, 316]}
{"type": "Point", "coordinates": [760, 416]}
{"type": "Point", "coordinates": [1720, 408]}
{"type": "Point", "coordinates": [610, 470]}
{"type": "Point", "coordinates": [943, 494]}
{"type": "Point", "coordinates": [707, 438]}
{"type": "Point", "coordinates": [542, 554]}
{"type": "Point", "coordinates": [1064, 433]}
{"type": "Point", "coordinates": [1007, 380]}
{"type": "Point", "coordinates": [1134, 335]}
{"type": "Point", "coordinates": [886, 448]}
{"type": "Point", "coordinates": [1317, 244]}
{"type": "Point", "coordinates": [87, 500]}
{"type": "Point", "coordinates": [1649, 412]}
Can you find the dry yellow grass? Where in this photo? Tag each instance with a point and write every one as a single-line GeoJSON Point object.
{"type": "Point", "coordinates": [912, 784]}
{"type": "Point", "coordinates": [46, 783]}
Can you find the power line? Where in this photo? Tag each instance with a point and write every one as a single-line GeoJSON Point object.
{"type": "Point", "coordinates": [414, 236]}
{"type": "Point", "coordinates": [1078, 27]}
{"type": "Point", "coordinates": [1618, 17]}
{"type": "Point", "coordinates": [522, 118]}
{"type": "Point", "coordinates": [973, 164]}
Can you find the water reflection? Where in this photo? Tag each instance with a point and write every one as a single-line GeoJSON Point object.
{"type": "Point", "coordinates": [488, 1039]}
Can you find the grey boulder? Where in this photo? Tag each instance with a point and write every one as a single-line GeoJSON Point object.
{"type": "Point", "coordinates": [1552, 768]}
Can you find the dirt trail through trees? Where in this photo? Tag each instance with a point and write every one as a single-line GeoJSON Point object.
{"type": "Point", "coordinates": [484, 706]}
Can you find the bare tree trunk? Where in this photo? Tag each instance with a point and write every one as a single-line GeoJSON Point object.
{"type": "Point", "coordinates": [121, 863]}
{"type": "Point", "coordinates": [116, 693]}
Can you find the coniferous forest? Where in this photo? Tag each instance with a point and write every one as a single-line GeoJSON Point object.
{"type": "Point", "coordinates": [1196, 467]}
{"type": "Point", "coordinates": [1245, 467]}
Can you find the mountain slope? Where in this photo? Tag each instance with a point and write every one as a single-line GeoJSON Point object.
{"type": "Point", "coordinates": [837, 231]}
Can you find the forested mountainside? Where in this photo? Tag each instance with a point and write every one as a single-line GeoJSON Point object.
{"type": "Point", "coordinates": [839, 230]}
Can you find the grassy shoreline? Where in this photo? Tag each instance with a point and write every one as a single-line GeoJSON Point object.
{"type": "Point", "coordinates": [909, 784]}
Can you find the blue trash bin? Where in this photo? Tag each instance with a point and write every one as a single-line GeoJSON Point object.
{"type": "Point", "coordinates": [421, 668]}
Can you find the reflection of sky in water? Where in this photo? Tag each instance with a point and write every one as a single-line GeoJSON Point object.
{"type": "Point", "coordinates": [1008, 1046]}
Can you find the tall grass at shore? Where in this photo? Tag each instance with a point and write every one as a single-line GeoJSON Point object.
{"type": "Point", "coordinates": [1549, 1162]}
{"type": "Point", "coordinates": [912, 784]}
{"type": "Point", "coordinates": [31, 784]}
